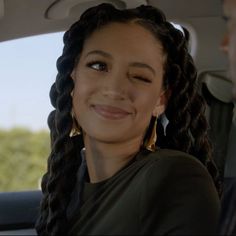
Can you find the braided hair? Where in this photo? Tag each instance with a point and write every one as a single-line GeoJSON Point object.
{"type": "Point", "coordinates": [186, 129]}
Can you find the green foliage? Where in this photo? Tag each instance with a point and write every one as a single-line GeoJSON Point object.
{"type": "Point", "coordinates": [23, 158]}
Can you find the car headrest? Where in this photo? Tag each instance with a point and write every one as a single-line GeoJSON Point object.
{"type": "Point", "coordinates": [218, 86]}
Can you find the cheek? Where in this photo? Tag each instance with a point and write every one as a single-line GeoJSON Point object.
{"type": "Point", "coordinates": [146, 103]}
{"type": "Point", "coordinates": [77, 101]}
{"type": "Point", "coordinates": [81, 93]}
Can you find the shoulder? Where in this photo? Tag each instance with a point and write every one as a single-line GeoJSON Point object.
{"type": "Point", "coordinates": [179, 187]}
{"type": "Point", "coordinates": [175, 172]}
{"type": "Point", "coordinates": [170, 155]}
{"type": "Point", "coordinates": [178, 177]}
{"type": "Point", "coordinates": [165, 162]}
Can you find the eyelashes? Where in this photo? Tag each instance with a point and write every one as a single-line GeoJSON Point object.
{"type": "Point", "coordinates": [141, 78]}
{"type": "Point", "coordinates": [98, 65]}
{"type": "Point", "coordinates": [101, 66]}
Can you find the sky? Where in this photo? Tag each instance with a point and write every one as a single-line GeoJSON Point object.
{"type": "Point", "coordinates": [27, 71]}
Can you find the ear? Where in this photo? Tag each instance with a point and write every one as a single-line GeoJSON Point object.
{"type": "Point", "coordinates": [161, 103]}
{"type": "Point", "coordinates": [72, 75]}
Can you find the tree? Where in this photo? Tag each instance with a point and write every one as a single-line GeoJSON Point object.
{"type": "Point", "coordinates": [23, 158]}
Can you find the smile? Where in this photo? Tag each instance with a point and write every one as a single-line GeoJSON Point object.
{"type": "Point", "coordinates": [110, 112]}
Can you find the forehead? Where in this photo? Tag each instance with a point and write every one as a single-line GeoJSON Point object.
{"type": "Point", "coordinates": [126, 29]}
{"type": "Point", "coordinates": [128, 35]}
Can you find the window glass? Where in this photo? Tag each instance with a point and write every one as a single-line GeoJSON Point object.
{"type": "Point", "coordinates": [28, 69]}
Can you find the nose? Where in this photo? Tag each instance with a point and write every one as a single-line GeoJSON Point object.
{"type": "Point", "coordinates": [224, 46]}
{"type": "Point", "coordinates": [115, 86]}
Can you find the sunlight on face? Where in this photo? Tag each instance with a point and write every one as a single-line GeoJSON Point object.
{"type": "Point", "coordinates": [118, 83]}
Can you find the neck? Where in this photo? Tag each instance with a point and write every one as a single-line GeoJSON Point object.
{"type": "Point", "coordinates": [106, 159]}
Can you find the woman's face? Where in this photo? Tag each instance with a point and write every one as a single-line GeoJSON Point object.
{"type": "Point", "coordinates": [118, 83]}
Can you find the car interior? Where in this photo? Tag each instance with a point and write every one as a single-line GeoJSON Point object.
{"type": "Point", "coordinates": [202, 18]}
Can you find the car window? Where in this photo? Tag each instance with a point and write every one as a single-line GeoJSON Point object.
{"type": "Point", "coordinates": [27, 69]}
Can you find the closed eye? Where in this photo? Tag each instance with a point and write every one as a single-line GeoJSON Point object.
{"type": "Point", "coordinates": [141, 78]}
{"type": "Point", "coordinates": [98, 65]}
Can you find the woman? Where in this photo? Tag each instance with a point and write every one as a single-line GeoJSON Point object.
{"type": "Point", "coordinates": [116, 167]}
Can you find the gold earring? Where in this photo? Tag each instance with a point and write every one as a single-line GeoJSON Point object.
{"type": "Point", "coordinates": [76, 129]}
{"type": "Point", "coordinates": [151, 143]}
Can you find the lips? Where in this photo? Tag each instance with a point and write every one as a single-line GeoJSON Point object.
{"type": "Point", "coordinates": [110, 112]}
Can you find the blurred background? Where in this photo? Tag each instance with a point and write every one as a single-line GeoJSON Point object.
{"type": "Point", "coordinates": [27, 69]}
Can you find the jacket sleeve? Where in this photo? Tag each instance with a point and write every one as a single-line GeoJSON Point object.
{"type": "Point", "coordinates": [179, 198]}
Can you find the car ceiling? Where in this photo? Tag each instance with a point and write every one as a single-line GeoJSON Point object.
{"type": "Point", "coordinates": [21, 18]}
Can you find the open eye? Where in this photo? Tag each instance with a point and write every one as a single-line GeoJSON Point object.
{"type": "Point", "coordinates": [98, 65]}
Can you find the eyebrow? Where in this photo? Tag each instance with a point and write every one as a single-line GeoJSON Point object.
{"type": "Point", "coordinates": [99, 52]}
{"type": "Point", "coordinates": [132, 64]}
{"type": "Point", "coordinates": [142, 65]}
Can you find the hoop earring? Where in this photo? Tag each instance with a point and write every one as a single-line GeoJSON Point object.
{"type": "Point", "coordinates": [151, 143]}
{"type": "Point", "coordinates": [76, 129]}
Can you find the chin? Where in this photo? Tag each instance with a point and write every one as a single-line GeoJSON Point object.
{"type": "Point", "coordinates": [105, 137]}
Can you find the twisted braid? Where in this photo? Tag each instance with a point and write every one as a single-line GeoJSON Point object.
{"type": "Point", "coordinates": [63, 162]}
{"type": "Point", "coordinates": [186, 130]}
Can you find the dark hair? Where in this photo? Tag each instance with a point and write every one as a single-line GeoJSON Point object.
{"type": "Point", "coordinates": [187, 128]}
